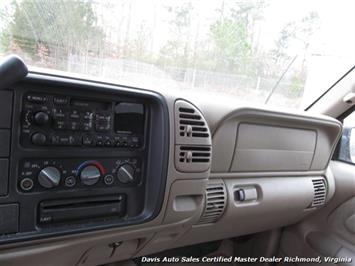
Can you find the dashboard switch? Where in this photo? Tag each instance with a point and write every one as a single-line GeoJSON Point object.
{"type": "Point", "coordinates": [108, 180]}
{"type": "Point", "coordinates": [26, 184]}
{"type": "Point", "coordinates": [70, 181]}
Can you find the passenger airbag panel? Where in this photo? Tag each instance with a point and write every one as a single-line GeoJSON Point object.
{"type": "Point", "coordinates": [267, 148]}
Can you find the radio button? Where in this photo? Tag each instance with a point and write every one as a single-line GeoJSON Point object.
{"type": "Point", "coordinates": [86, 126]}
{"type": "Point", "coordinates": [88, 141]}
{"type": "Point", "coordinates": [74, 125]}
{"type": "Point", "coordinates": [103, 117]}
{"type": "Point", "coordinates": [99, 141]}
{"type": "Point", "coordinates": [64, 140]}
{"type": "Point", "coordinates": [88, 115]}
{"type": "Point", "coordinates": [67, 140]}
{"type": "Point", "coordinates": [102, 127]}
{"type": "Point", "coordinates": [108, 180]}
{"type": "Point", "coordinates": [135, 142]}
{"type": "Point", "coordinates": [109, 143]}
{"type": "Point", "coordinates": [70, 181]}
{"type": "Point", "coordinates": [118, 141]}
{"type": "Point", "coordinates": [74, 115]}
{"type": "Point", "coordinates": [59, 114]}
{"type": "Point", "coordinates": [60, 125]}
{"type": "Point", "coordinates": [124, 142]}
{"type": "Point", "coordinates": [55, 139]}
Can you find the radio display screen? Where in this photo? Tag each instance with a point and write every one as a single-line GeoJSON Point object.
{"type": "Point", "coordinates": [129, 118]}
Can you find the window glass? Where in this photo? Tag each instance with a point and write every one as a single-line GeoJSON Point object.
{"type": "Point", "coordinates": [276, 52]}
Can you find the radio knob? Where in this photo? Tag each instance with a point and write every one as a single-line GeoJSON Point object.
{"type": "Point", "coordinates": [49, 177]}
{"type": "Point", "coordinates": [39, 138]}
{"type": "Point", "coordinates": [90, 175]}
{"type": "Point", "coordinates": [125, 173]}
{"type": "Point", "coordinates": [41, 118]}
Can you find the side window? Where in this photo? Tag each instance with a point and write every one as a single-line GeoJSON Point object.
{"type": "Point", "coordinates": [346, 149]}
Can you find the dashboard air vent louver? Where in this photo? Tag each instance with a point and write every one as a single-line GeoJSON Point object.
{"type": "Point", "coordinates": [320, 192]}
{"type": "Point", "coordinates": [191, 124]}
{"type": "Point", "coordinates": [189, 158]}
{"type": "Point", "coordinates": [216, 199]}
{"type": "Point", "coordinates": [193, 143]}
{"type": "Point", "coordinates": [194, 154]}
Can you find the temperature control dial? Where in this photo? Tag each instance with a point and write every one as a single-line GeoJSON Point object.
{"type": "Point", "coordinates": [125, 173]}
{"type": "Point", "coordinates": [89, 175]}
{"type": "Point", "coordinates": [49, 177]}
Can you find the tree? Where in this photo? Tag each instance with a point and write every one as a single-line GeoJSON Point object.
{"type": "Point", "coordinates": [54, 28]}
{"type": "Point", "coordinates": [176, 50]}
{"type": "Point", "coordinates": [295, 33]}
{"type": "Point", "coordinates": [233, 35]}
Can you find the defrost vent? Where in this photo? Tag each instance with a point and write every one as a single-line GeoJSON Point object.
{"type": "Point", "coordinates": [320, 192]}
{"type": "Point", "coordinates": [216, 200]}
{"type": "Point", "coordinates": [193, 150]}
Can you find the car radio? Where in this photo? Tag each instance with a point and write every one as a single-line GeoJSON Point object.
{"type": "Point", "coordinates": [53, 120]}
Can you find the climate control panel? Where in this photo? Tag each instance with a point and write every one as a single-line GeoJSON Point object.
{"type": "Point", "coordinates": [64, 174]}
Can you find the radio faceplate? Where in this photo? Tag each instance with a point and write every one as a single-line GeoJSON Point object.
{"type": "Point", "coordinates": [55, 120]}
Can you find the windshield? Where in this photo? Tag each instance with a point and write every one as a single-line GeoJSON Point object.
{"type": "Point", "coordinates": [277, 52]}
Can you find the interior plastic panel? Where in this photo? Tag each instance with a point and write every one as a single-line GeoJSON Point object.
{"type": "Point", "coordinates": [266, 148]}
{"type": "Point", "coordinates": [255, 140]}
{"type": "Point", "coordinates": [279, 202]}
{"type": "Point", "coordinates": [274, 197]}
{"type": "Point", "coordinates": [330, 231]}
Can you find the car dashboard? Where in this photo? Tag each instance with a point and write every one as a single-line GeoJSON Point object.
{"type": "Point", "coordinates": [93, 172]}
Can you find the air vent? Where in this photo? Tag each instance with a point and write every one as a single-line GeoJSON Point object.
{"type": "Point", "coordinates": [320, 192]}
{"type": "Point", "coordinates": [191, 126]}
{"type": "Point", "coordinates": [216, 199]}
{"type": "Point", "coordinates": [193, 158]}
{"type": "Point", "coordinates": [193, 143]}
{"type": "Point", "coordinates": [194, 154]}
